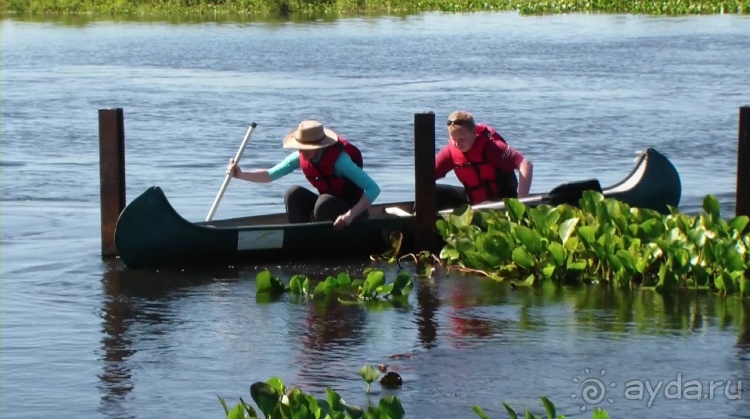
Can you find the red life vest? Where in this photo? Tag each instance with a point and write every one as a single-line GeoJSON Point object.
{"type": "Point", "coordinates": [321, 174]}
{"type": "Point", "coordinates": [482, 181]}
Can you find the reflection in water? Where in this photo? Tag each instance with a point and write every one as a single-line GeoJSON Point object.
{"type": "Point", "coordinates": [428, 304]}
{"type": "Point", "coordinates": [331, 333]}
{"type": "Point", "coordinates": [130, 298]}
{"type": "Point", "coordinates": [116, 379]}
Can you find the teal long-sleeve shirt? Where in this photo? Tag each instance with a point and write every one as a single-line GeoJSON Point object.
{"type": "Point", "coordinates": [344, 167]}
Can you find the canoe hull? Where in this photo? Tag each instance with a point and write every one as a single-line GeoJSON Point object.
{"type": "Point", "coordinates": [151, 234]}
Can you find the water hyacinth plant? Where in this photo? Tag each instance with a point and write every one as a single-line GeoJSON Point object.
{"type": "Point", "coordinates": [602, 240]}
{"type": "Point", "coordinates": [275, 401]}
{"type": "Point", "coordinates": [371, 288]}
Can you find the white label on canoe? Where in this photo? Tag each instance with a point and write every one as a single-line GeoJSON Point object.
{"type": "Point", "coordinates": [260, 239]}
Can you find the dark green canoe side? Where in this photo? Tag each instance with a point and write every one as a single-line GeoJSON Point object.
{"type": "Point", "coordinates": [659, 186]}
{"type": "Point", "coordinates": [151, 234]}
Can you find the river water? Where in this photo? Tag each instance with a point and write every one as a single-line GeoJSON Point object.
{"type": "Point", "coordinates": [577, 94]}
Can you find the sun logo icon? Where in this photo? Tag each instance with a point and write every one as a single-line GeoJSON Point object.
{"type": "Point", "coordinates": [593, 389]}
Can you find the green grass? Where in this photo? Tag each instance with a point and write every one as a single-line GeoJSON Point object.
{"type": "Point", "coordinates": [287, 8]}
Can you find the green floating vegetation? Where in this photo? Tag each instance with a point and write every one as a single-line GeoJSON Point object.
{"type": "Point", "coordinates": [318, 8]}
{"type": "Point", "coordinates": [274, 400]}
{"type": "Point", "coordinates": [371, 288]}
{"type": "Point", "coordinates": [602, 240]}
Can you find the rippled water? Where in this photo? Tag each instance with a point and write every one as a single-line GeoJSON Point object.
{"type": "Point", "coordinates": [579, 95]}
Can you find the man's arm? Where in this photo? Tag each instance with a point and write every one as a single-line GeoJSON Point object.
{"type": "Point", "coordinates": [526, 173]}
{"type": "Point", "coordinates": [443, 163]}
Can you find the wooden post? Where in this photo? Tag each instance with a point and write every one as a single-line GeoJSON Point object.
{"type": "Point", "coordinates": [743, 164]}
{"type": "Point", "coordinates": [111, 174]}
{"type": "Point", "coordinates": [424, 175]}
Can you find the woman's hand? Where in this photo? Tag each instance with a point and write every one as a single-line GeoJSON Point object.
{"type": "Point", "coordinates": [233, 169]}
{"type": "Point", "coordinates": [343, 220]}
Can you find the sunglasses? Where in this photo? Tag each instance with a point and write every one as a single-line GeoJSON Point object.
{"type": "Point", "coordinates": [459, 122]}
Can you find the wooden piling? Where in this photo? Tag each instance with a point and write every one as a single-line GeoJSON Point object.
{"type": "Point", "coordinates": [424, 176]}
{"type": "Point", "coordinates": [743, 164]}
{"type": "Point", "coordinates": [111, 174]}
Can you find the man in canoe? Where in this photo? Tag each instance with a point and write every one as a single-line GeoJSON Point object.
{"type": "Point", "coordinates": [332, 165]}
{"type": "Point", "coordinates": [482, 161]}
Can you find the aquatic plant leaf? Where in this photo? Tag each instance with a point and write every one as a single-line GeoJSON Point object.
{"type": "Point", "coordinates": [733, 260]}
{"type": "Point", "coordinates": [223, 404]}
{"type": "Point", "coordinates": [320, 288]}
{"type": "Point", "coordinates": [384, 289]}
{"type": "Point", "coordinates": [697, 237]}
{"type": "Point", "coordinates": [343, 280]}
{"type": "Point", "coordinates": [738, 223]}
{"type": "Point", "coordinates": [743, 285]}
{"type": "Point", "coordinates": [558, 253]}
{"type": "Point", "coordinates": [374, 280]}
{"type": "Point", "coordinates": [461, 219]}
{"type": "Point", "coordinates": [529, 238]}
{"type": "Point", "coordinates": [711, 207]}
{"type": "Point", "coordinates": [403, 279]}
{"type": "Point", "coordinates": [539, 219]}
{"type": "Point", "coordinates": [548, 270]}
{"type": "Point", "coordinates": [512, 413]}
{"type": "Point", "coordinates": [549, 407]}
{"type": "Point", "coordinates": [238, 412]}
{"type": "Point", "coordinates": [627, 260]}
{"type": "Point", "coordinates": [355, 412]}
{"type": "Point", "coordinates": [372, 412]}
{"type": "Point", "coordinates": [652, 228]}
{"type": "Point", "coordinates": [265, 397]}
{"type": "Point", "coordinates": [522, 258]}
{"type": "Point", "coordinates": [566, 229]}
{"type": "Point", "coordinates": [391, 406]}
{"type": "Point", "coordinates": [277, 384]}
{"type": "Point", "coordinates": [478, 410]}
{"type": "Point", "coordinates": [334, 399]}
{"type": "Point", "coordinates": [331, 282]}
{"type": "Point", "coordinates": [600, 413]}
{"type": "Point", "coordinates": [369, 373]}
{"type": "Point", "coordinates": [449, 253]}
{"type": "Point", "coordinates": [515, 208]}
{"type": "Point", "coordinates": [587, 234]}
{"type": "Point", "coordinates": [614, 261]}
{"type": "Point", "coordinates": [295, 284]}
{"type": "Point", "coordinates": [300, 411]}
{"type": "Point", "coordinates": [265, 282]}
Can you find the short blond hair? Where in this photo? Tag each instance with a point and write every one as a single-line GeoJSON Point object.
{"type": "Point", "coordinates": [464, 119]}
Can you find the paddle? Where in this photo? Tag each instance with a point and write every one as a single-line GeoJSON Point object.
{"type": "Point", "coordinates": [228, 177]}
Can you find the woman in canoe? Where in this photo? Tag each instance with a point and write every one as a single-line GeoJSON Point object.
{"type": "Point", "coordinates": [332, 165]}
{"type": "Point", "coordinates": [482, 161]}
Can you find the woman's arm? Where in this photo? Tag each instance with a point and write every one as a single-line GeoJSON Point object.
{"type": "Point", "coordinates": [345, 167]}
{"type": "Point", "coordinates": [283, 168]}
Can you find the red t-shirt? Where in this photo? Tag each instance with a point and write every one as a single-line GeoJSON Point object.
{"type": "Point", "coordinates": [499, 155]}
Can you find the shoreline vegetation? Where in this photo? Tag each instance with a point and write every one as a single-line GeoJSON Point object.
{"type": "Point", "coordinates": [307, 9]}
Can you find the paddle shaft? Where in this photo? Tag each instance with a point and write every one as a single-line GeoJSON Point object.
{"type": "Point", "coordinates": [228, 177]}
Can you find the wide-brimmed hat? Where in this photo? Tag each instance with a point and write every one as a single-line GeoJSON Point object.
{"type": "Point", "coordinates": [310, 135]}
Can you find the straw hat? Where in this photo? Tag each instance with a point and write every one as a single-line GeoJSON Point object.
{"type": "Point", "coordinates": [310, 135]}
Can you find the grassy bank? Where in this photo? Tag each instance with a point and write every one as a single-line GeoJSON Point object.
{"type": "Point", "coordinates": [282, 8]}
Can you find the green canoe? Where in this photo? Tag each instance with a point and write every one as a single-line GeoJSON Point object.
{"type": "Point", "coordinates": [151, 234]}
